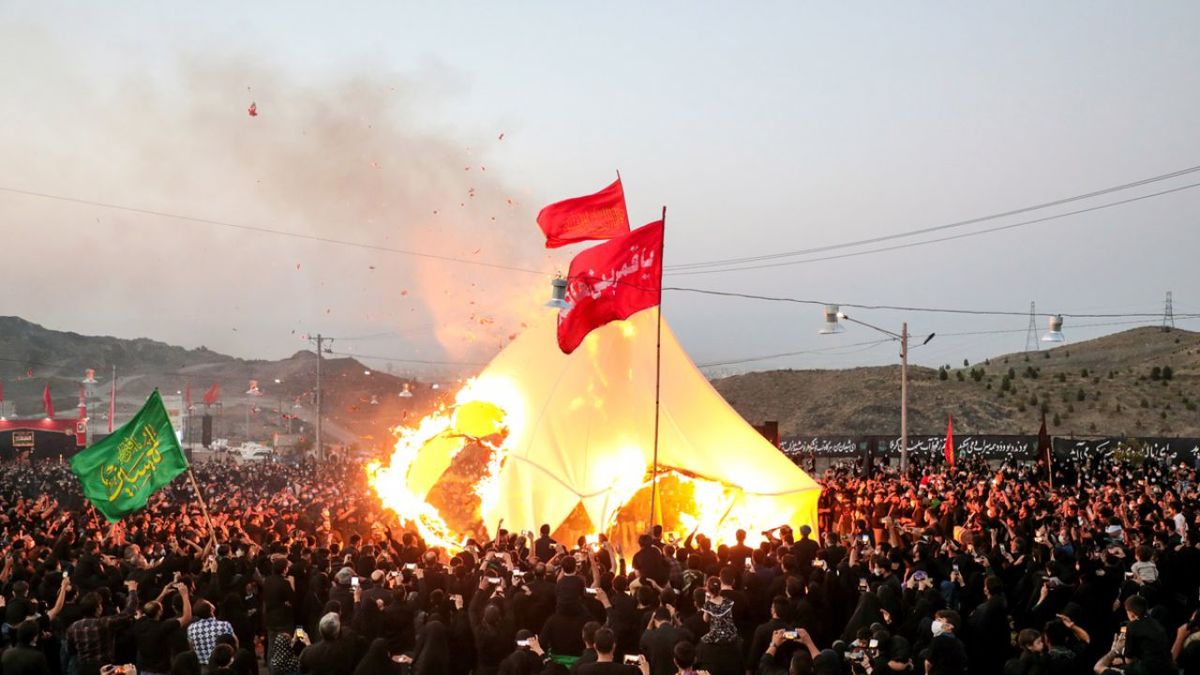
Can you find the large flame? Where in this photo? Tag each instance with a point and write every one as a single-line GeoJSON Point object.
{"type": "Point", "coordinates": [485, 410]}
{"type": "Point", "coordinates": [490, 411]}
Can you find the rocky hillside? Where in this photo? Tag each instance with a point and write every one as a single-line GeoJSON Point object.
{"type": "Point", "coordinates": [1139, 382]}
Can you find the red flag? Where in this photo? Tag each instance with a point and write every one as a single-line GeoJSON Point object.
{"type": "Point", "coordinates": [213, 394]}
{"type": "Point", "coordinates": [610, 282]}
{"type": "Point", "coordinates": [950, 441]}
{"type": "Point", "coordinates": [47, 402]}
{"type": "Point", "coordinates": [1044, 447]}
{"type": "Point", "coordinates": [597, 216]}
{"type": "Point", "coordinates": [187, 396]}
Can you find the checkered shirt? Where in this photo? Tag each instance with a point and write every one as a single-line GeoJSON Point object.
{"type": "Point", "coordinates": [203, 636]}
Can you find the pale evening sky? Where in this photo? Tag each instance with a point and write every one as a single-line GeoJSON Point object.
{"type": "Point", "coordinates": [763, 127]}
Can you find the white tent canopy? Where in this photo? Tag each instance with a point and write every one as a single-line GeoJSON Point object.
{"type": "Point", "coordinates": [581, 430]}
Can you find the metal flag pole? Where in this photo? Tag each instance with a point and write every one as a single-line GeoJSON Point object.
{"type": "Point", "coordinates": [657, 379]}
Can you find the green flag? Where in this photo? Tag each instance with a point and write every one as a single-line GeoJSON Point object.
{"type": "Point", "coordinates": [120, 473]}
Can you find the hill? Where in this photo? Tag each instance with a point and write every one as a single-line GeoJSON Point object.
{"type": "Point", "coordinates": [1105, 386]}
{"type": "Point", "coordinates": [59, 358]}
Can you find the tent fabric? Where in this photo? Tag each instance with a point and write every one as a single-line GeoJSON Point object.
{"type": "Point", "coordinates": [582, 429]}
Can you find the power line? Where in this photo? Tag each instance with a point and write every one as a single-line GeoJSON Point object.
{"type": "Point", "coordinates": [407, 360]}
{"type": "Point", "coordinates": [268, 230]}
{"type": "Point", "coordinates": [767, 357]}
{"type": "Point", "coordinates": [900, 308]}
{"type": "Point", "coordinates": [938, 239]}
{"type": "Point", "coordinates": [926, 230]}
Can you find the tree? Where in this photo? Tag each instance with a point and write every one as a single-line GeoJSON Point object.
{"type": "Point", "coordinates": [1081, 395]}
{"type": "Point", "coordinates": [1057, 419]}
{"type": "Point", "coordinates": [942, 374]}
{"type": "Point", "coordinates": [1167, 373]}
{"type": "Point", "coordinates": [1155, 373]}
{"type": "Point", "coordinates": [959, 375]}
{"type": "Point", "coordinates": [1083, 373]}
{"type": "Point", "coordinates": [966, 363]}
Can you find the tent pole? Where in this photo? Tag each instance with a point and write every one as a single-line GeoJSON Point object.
{"type": "Point", "coordinates": [657, 381]}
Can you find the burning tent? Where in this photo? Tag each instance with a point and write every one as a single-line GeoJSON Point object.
{"type": "Point", "coordinates": [571, 441]}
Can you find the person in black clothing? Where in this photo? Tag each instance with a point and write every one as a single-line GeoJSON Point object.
{"type": "Point", "coordinates": [378, 661]}
{"type": "Point", "coordinates": [781, 611]}
{"type": "Point", "coordinates": [279, 600]}
{"type": "Point", "coordinates": [606, 644]}
{"type": "Point", "coordinates": [987, 630]}
{"type": "Point", "coordinates": [1147, 647]}
{"type": "Point", "coordinates": [658, 643]}
{"type": "Point", "coordinates": [544, 547]}
{"type": "Point", "coordinates": [153, 633]}
{"type": "Point", "coordinates": [649, 561]}
{"type": "Point", "coordinates": [25, 658]}
{"type": "Point", "coordinates": [946, 654]}
{"type": "Point", "coordinates": [336, 653]}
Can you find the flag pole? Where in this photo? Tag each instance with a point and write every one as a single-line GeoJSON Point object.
{"type": "Point", "coordinates": [212, 530]}
{"type": "Point", "coordinates": [657, 380]}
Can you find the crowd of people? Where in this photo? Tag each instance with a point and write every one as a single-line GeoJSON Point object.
{"type": "Point", "coordinates": [980, 568]}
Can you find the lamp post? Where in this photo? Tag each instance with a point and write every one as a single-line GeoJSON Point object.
{"type": "Point", "coordinates": [832, 315]}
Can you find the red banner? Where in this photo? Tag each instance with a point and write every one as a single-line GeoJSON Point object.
{"type": "Point", "coordinates": [597, 216]}
{"type": "Point", "coordinates": [48, 402]}
{"type": "Point", "coordinates": [213, 393]}
{"type": "Point", "coordinates": [610, 282]}
{"type": "Point", "coordinates": [949, 450]}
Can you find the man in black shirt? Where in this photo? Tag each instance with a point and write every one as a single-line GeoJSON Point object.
{"type": "Point", "coordinates": [25, 658]}
{"type": "Point", "coordinates": [606, 643]}
{"type": "Point", "coordinates": [544, 547]}
{"type": "Point", "coordinates": [152, 632]}
{"type": "Point", "coordinates": [658, 643]}
{"type": "Point", "coordinates": [649, 561]}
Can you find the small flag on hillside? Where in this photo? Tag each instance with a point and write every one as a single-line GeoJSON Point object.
{"type": "Point", "coordinates": [1045, 455]}
{"type": "Point", "coordinates": [119, 473]}
{"type": "Point", "coordinates": [596, 216]}
{"type": "Point", "coordinates": [950, 441]}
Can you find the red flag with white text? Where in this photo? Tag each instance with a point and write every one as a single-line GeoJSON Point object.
{"type": "Point", "coordinates": [950, 440]}
{"type": "Point", "coordinates": [596, 216]}
{"type": "Point", "coordinates": [611, 282]}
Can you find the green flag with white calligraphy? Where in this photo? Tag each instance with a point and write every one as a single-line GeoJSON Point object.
{"type": "Point", "coordinates": [120, 473]}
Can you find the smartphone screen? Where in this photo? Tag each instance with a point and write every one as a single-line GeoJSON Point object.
{"type": "Point", "coordinates": [354, 582]}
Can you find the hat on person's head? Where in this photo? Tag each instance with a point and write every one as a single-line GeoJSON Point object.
{"type": "Point", "coordinates": [344, 576]}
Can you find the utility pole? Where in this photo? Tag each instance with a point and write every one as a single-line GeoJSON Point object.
{"type": "Point", "coordinates": [1031, 338]}
{"type": "Point", "coordinates": [320, 340]}
{"type": "Point", "coordinates": [904, 397]}
{"type": "Point", "coordinates": [1168, 315]}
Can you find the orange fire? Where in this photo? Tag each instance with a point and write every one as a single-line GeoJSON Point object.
{"type": "Point", "coordinates": [490, 411]}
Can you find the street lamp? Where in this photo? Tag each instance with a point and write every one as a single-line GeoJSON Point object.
{"type": "Point", "coordinates": [832, 315]}
{"type": "Point", "coordinates": [558, 294]}
{"type": "Point", "coordinates": [1054, 333]}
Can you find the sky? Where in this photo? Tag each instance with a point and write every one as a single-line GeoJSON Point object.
{"type": "Point", "coordinates": [441, 128]}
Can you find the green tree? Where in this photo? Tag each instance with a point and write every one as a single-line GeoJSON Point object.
{"type": "Point", "coordinates": [1081, 395]}
{"type": "Point", "coordinates": [1167, 373]}
{"type": "Point", "coordinates": [942, 374]}
{"type": "Point", "coordinates": [1083, 373]}
{"type": "Point", "coordinates": [1155, 373]}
